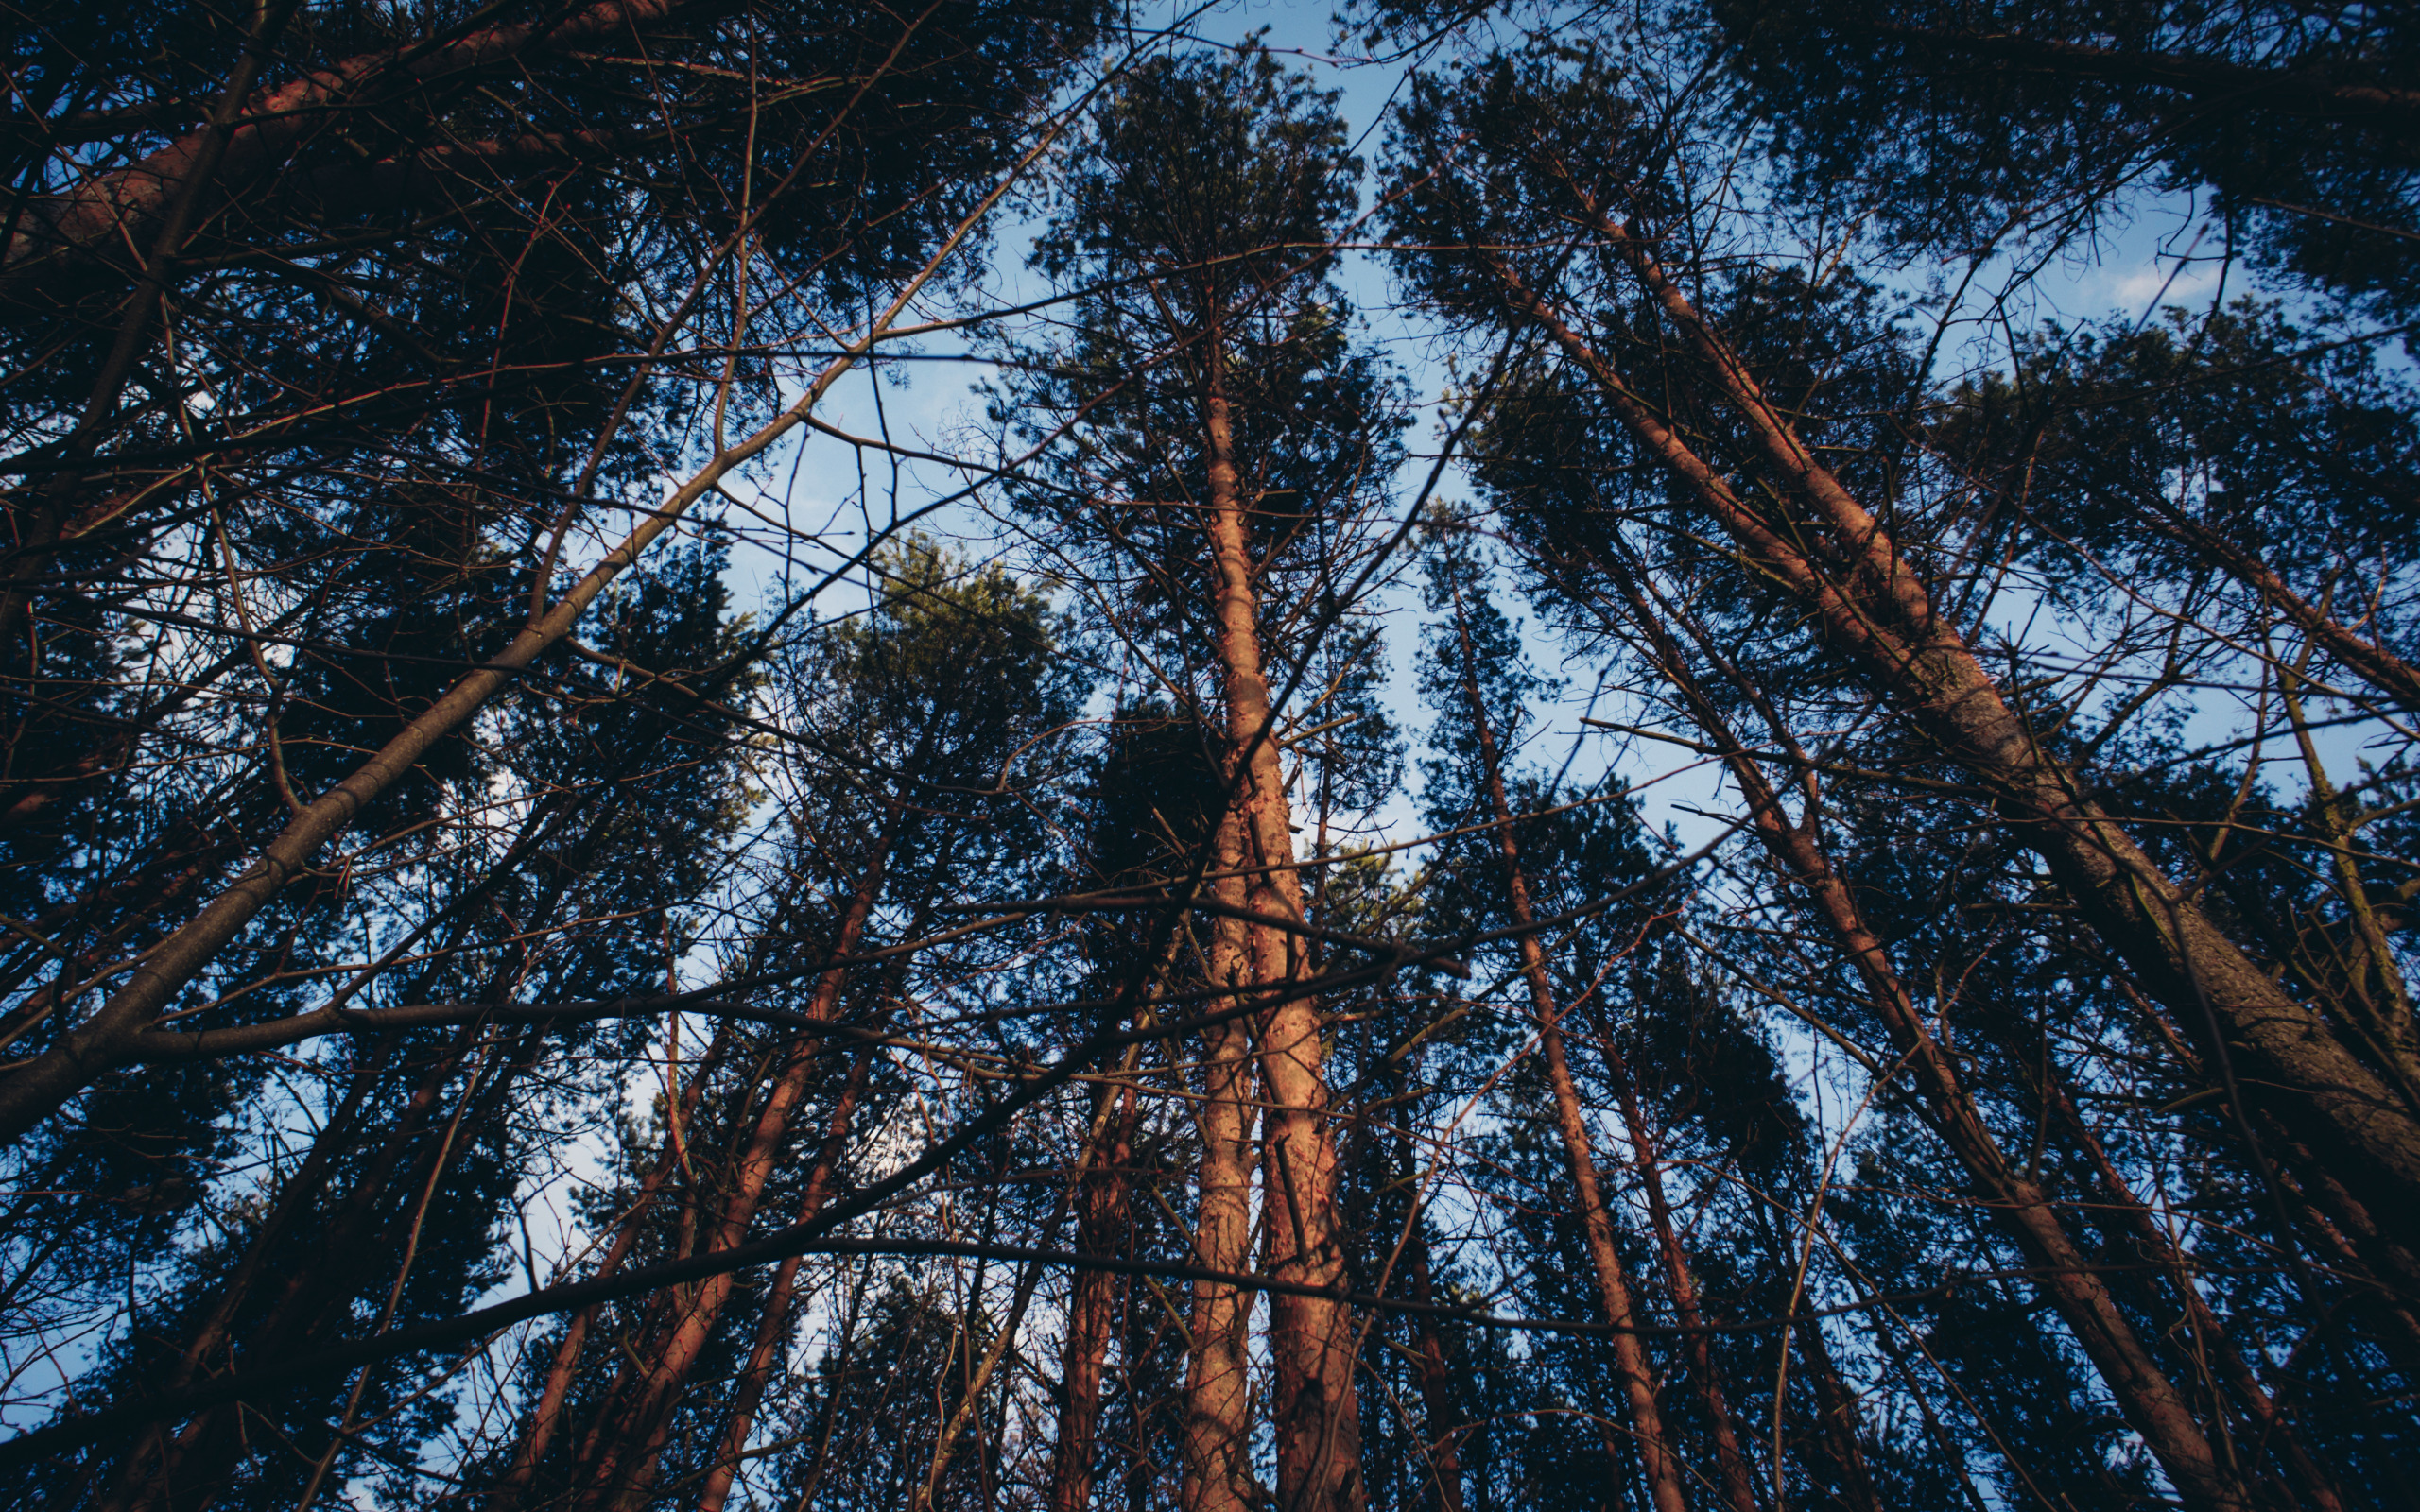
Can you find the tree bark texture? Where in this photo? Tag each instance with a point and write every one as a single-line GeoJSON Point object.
{"type": "Point", "coordinates": [1312, 1338]}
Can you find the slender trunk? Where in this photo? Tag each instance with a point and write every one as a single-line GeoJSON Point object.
{"type": "Point", "coordinates": [1102, 1129]}
{"type": "Point", "coordinates": [1312, 1338]}
{"type": "Point", "coordinates": [2149, 1400]}
{"type": "Point", "coordinates": [1836, 1407]}
{"type": "Point", "coordinates": [773, 1328]}
{"type": "Point", "coordinates": [1731, 1463]}
{"type": "Point", "coordinates": [1441, 1415]}
{"type": "Point", "coordinates": [1664, 1475]}
{"type": "Point", "coordinates": [545, 1419]}
{"type": "Point", "coordinates": [1102, 1228]}
{"type": "Point", "coordinates": [202, 1453]}
{"type": "Point", "coordinates": [334, 1137]}
{"type": "Point", "coordinates": [1875, 606]}
{"type": "Point", "coordinates": [2267, 1424]}
{"type": "Point", "coordinates": [621, 1473]}
{"type": "Point", "coordinates": [1217, 1390]}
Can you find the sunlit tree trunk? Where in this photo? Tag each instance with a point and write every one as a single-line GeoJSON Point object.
{"type": "Point", "coordinates": [2148, 1397]}
{"type": "Point", "coordinates": [1316, 1417]}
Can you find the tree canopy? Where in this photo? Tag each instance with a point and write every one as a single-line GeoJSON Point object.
{"type": "Point", "coordinates": [1031, 756]}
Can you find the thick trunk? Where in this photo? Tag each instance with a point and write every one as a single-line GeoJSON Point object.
{"type": "Point", "coordinates": [1312, 1338]}
{"type": "Point", "coordinates": [1875, 607]}
{"type": "Point", "coordinates": [1314, 1411]}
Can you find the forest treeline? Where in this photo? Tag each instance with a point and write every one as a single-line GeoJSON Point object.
{"type": "Point", "coordinates": [1571, 796]}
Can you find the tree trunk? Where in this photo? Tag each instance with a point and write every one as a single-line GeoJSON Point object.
{"type": "Point", "coordinates": [772, 1329]}
{"type": "Point", "coordinates": [545, 1419]}
{"type": "Point", "coordinates": [1731, 1462]}
{"type": "Point", "coordinates": [1217, 1384]}
{"type": "Point", "coordinates": [1312, 1338]}
{"type": "Point", "coordinates": [1837, 1407]}
{"type": "Point", "coordinates": [1878, 609]}
{"type": "Point", "coordinates": [1441, 1415]}
{"type": "Point", "coordinates": [2207, 1336]}
{"type": "Point", "coordinates": [622, 1471]}
{"type": "Point", "coordinates": [2149, 1400]}
{"type": "Point", "coordinates": [1664, 1475]}
{"type": "Point", "coordinates": [1102, 1228]}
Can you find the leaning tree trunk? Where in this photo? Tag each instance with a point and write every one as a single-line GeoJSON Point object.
{"type": "Point", "coordinates": [2149, 1400]}
{"type": "Point", "coordinates": [773, 1327]}
{"type": "Point", "coordinates": [1654, 1443]}
{"type": "Point", "coordinates": [1866, 593]}
{"type": "Point", "coordinates": [621, 1472]}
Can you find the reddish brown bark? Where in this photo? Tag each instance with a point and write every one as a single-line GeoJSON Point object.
{"type": "Point", "coordinates": [619, 1474]}
{"type": "Point", "coordinates": [2150, 1401]}
{"type": "Point", "coordinates": [545, 1419]}
{"type": "Point", "coordinates": [1663, 1467]}
{"type": "Point", "coordinates": [1217, 1393]}
{"type": "Point", "coordinates": [1312, 1338]}
{"type": "Point", "coordinates": [773, 1326]}
{"type": "Point", "coordinates": [1102, 1228]}
{"type": "Point", "coordinates": [1876, 605]}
